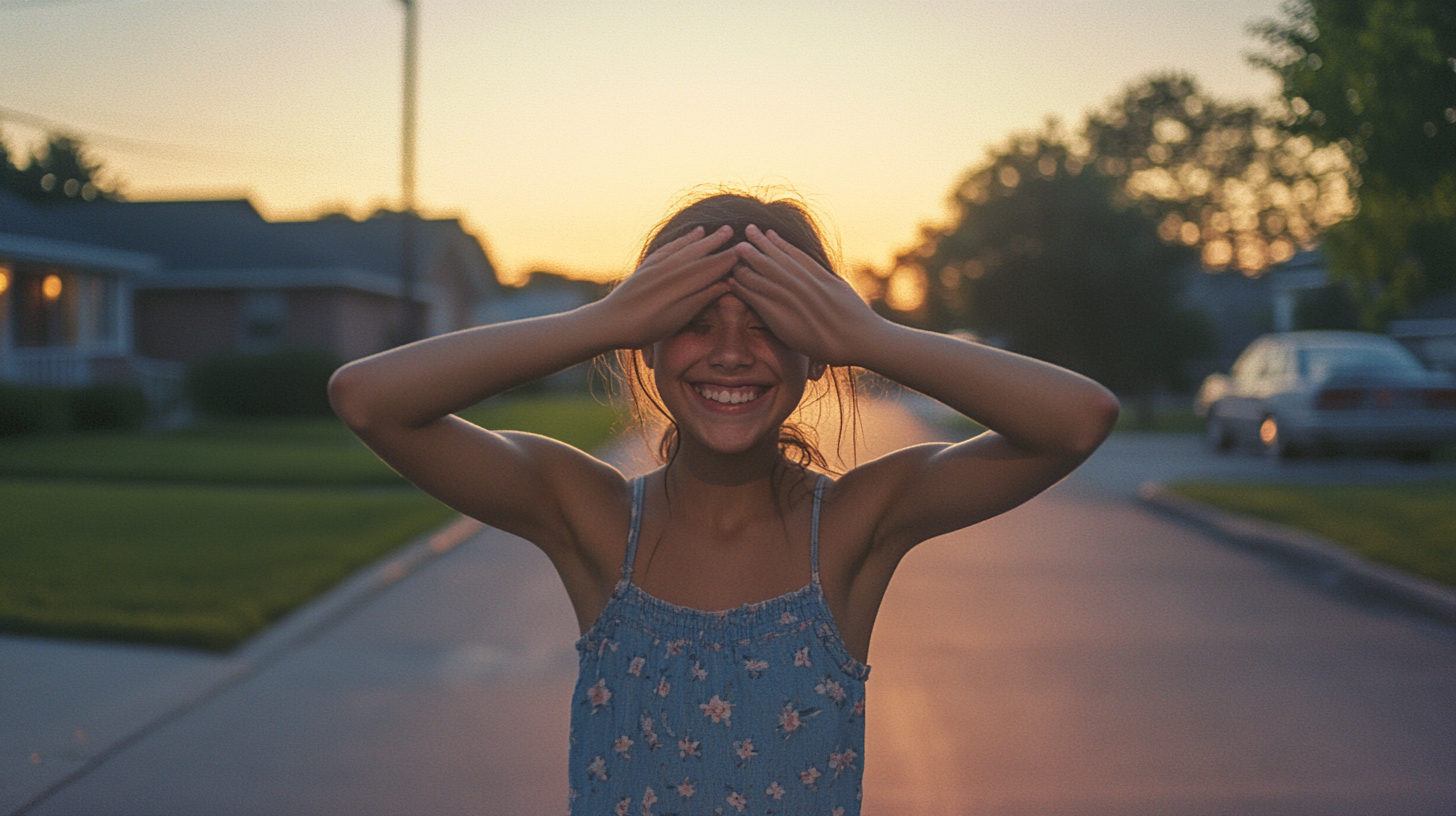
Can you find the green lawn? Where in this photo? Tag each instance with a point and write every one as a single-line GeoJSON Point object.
{"type": "Point", "coordinates": [1408, 526]}
{"type": "Point", "coordinates": [186, 565]}
{"type": "Point", "coordinates": [202, 536]}
{"type": "Point", "coordinates": [280, 452]}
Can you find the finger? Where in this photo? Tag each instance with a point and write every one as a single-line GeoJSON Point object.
{"type": "Point", "coordinates": [700, 245]}
{"type": "Point", "coordinates": [768, 247]}
{"type": "Point", "coordinates": [675, 244]}
{"type": "Point", "coordinates": [702, 299]}
{"type": "Point", "coordinates": [791, 279]}
{"type": "Point", "coordinates": [805, 259]}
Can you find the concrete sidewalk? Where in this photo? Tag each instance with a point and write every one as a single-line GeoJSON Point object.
{"type": "Point", "coordinates": [1076, 656]}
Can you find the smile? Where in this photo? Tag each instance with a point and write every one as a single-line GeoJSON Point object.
{"type": "Point", "coordinates": [730, 396]}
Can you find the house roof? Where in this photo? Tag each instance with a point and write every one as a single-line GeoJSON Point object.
{"type": "Point", "coordinates": [69, 253]}
{"type": "Point", "coordinates": [194, 239]}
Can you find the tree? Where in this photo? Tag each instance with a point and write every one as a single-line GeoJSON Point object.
{"type": "Point", "coordinates": [1222, 177]}
{"type": "Point", "coordinates": [1377, 79]}
{"type": "Point", "coordinates": [1042, 255]}
{"type": "Point", "coordinates": [62, 171]}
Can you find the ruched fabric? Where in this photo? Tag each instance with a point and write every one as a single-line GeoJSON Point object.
{"type": "Point", "coordinates": [758, 709]}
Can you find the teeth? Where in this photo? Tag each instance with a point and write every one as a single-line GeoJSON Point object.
{"type": "Point", "coordinates": [730, 396]}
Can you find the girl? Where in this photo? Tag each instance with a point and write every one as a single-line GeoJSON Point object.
{"type": "Point", "coordinates": [733, 312]}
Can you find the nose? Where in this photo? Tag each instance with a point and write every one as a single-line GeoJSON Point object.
{"type": "Point", "coordinates": [731, 347]}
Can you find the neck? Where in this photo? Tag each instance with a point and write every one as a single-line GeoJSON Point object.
{"type": "Point", "coordinates": [728, 486]}
{"type": "Point", "coordinates": [695, 463]}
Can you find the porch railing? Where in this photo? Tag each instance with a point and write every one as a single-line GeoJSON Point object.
{"type": "Point", "coordinates": [160, 380]}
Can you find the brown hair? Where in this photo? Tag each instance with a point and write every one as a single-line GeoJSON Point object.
{"type": "Point", "coordinates": [798, 438]}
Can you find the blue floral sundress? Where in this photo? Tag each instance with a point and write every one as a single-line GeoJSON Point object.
{"type": "Point", "coordinates": [758, 709]}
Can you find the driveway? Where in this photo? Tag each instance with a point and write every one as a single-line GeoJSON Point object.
{"type": "Point", "coordinates": [1075, 656]}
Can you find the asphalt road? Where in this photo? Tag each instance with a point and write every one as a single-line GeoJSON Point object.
{"type": "Point", "coordinates": [1079, 655]}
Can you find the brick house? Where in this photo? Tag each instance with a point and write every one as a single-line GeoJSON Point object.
{"type": "Point", "coordinates": [114, 290]}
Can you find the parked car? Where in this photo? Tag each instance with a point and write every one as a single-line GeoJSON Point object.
{"type": "Point", "coordinates": [1329, 391]}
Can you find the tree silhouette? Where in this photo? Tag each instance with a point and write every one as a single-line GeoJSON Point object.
{"type": "Point", "coordinates": [1377, 80]}
{"type": "Point", "coordinates": [1045, 258]}
{"type": "Point", "coordinates": [62, 171]}
{"type": "Point", "coordinates": [1224, 178]}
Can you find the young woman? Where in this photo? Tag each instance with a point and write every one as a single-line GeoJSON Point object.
{"type": "Point", "coordinates": [726, 599]}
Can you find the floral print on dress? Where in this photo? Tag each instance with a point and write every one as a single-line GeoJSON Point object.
{"type": "Point", "coordinates": [688, 748]}
{"type": "Point", "coordinates": [757, 710]}
{"type": "Point", "coordinates": [599, 695]}
{"type": "Point", "coordinates": [830, 688]}
{"type": "Point", "coordinates": [841, 761]}
{"type": "Point", "coordinates": [649, 733]}
{"type": "Point", "coordinates": [718, 710]}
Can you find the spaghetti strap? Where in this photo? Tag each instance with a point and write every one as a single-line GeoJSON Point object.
{"type": "Point", "coordinates": [814, 532]}
{"type": "Point", "coordinates": [636, 525]}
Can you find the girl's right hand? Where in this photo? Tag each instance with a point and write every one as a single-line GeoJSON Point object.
{"type": "Point", "coordinates": [669, 289]}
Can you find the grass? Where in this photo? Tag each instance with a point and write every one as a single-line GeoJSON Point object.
{"type": "Point", "coordinates": [185, 565]}
{"type": "Point", "coordinates": [202, 536]}
{"type": "Point", "coordinates": [1411, 527]}
{"type": "Point", "coordinates": [1164, 420]}
{"type": "Point", "coordinates": [281, 452]}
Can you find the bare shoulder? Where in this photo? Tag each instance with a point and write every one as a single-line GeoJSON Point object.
{"type": "Point", "coordinates": [855, 506]}
{"type": "Point", "coordinates": [593, 498]}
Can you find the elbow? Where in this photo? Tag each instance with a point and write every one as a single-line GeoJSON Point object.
{"type": "Point", "coordinates": [1099, 415]}
{"type": "Point", "coordinates": [347, 396]}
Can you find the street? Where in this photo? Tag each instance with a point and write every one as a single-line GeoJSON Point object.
{"type": "Point", "coordinates": [1079, 655]}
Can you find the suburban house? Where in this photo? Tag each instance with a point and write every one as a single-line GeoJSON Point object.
{"type": "Point", "coordinates": [545, 293]}
{"type": "Point", "coordinates": [134, 291]}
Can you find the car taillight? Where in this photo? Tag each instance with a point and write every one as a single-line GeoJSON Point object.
{"type": "Point", "coordinates": [1441, 398]}
{"type": "Point", "coordinates": [1340, 398]}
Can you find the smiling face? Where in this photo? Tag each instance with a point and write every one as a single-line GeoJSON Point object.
{"type": "Point", "coordinates": [727, 380]}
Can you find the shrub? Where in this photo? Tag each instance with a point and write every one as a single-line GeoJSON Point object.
{"type": "Point", "coordinates": [29, 409]}
{"type": "Point", "coordinates": [291, 382]}
{"type": "Point", "coordinates": [108, 406]}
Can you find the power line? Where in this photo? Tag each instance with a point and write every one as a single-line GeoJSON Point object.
{"type": "Point", "coordinates": [126, 144]}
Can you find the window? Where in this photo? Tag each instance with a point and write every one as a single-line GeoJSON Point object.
{"type": "Point", "coordinates": [44, 308]}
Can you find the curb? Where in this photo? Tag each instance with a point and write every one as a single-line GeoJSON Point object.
{"type": "Point", "coordinates": [1333, 566]}
{"type": "Point", "coordinates": [295, 629]}
{"type": "Point", "coordinates": [308, 621]}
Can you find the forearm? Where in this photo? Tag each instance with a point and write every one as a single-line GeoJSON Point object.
{"type": "Point", "coordinates": [1034, 405]}
{"type": "Point", "coordinates": [414, 385]}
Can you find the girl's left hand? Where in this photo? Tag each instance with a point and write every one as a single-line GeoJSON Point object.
{"type": "Point", "coordinates": [809, 308]}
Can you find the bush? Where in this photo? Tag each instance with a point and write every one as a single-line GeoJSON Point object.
{"type": "Point", "coordinates": [109, 406]}
{"type": "Point", "coordinates": [279, 384]}
{"type": "Point", "coordinates": [33, 409]}
{"type": "Point", "coordinates": [29, 409]}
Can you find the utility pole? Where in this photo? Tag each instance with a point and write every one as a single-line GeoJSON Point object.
{"type": "Point", "coordinates": [410, 329]}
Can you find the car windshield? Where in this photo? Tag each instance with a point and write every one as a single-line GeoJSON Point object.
{"type": "Point", "coordinates": [1320, 363]}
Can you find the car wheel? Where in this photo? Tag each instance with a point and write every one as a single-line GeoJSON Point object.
{"type": "Point", "coordinates": [1272, 436]}
{"type": "Point", "coordinates": [1217, 434]}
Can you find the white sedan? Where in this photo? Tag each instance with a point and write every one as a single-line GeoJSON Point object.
{"type": "Point", "coordinates": [1329, 391]}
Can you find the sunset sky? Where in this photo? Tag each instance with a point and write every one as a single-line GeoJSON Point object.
{"type": "Point", "coordinates": [560, 132]}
